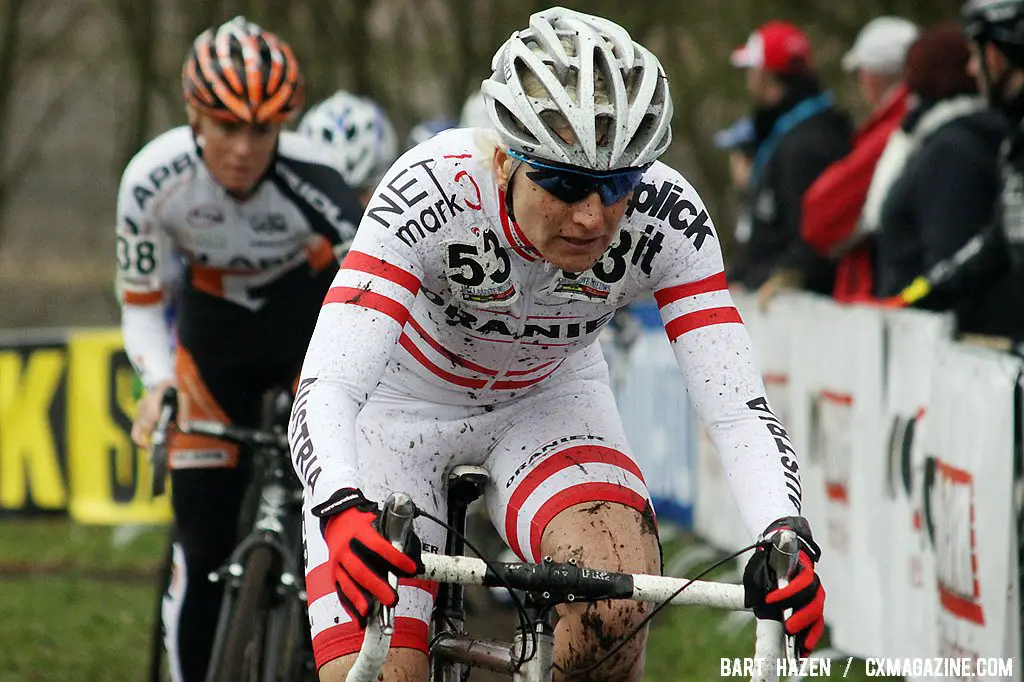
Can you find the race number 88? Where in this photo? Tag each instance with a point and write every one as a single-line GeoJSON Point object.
{"type": "Point", "coordinates": [143, 256]}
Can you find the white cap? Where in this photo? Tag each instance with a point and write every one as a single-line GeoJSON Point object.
{"type": "Point", "coordinates": [881, 46]}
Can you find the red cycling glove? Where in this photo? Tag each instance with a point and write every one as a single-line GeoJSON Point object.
{"type": "Point", "coordinates": [360, 556]}
{"type": "Point", "coordinates": [804, 593]}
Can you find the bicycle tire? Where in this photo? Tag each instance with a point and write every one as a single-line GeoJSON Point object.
{"type": "Point", "coordinates": [288, 653]}
{"type": "Point", "coordinates": [157, 672]}
{"type": "Point", "coordinates": [246, 625]}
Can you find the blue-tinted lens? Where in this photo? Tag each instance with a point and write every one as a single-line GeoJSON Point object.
{"type": "Point", "coordinates": [571, 185]}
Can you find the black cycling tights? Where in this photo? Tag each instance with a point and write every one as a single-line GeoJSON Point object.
{"type": "Point", "coordinates": [207, 504]}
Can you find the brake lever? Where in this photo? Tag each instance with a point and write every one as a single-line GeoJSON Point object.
{"type": "Point", "coordinates": [395, 524]}
{"type": "Point", "coordinates": [784, 561]}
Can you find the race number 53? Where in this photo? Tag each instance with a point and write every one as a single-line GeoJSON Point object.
{"type": "Point", "coordinates": [467, 266]}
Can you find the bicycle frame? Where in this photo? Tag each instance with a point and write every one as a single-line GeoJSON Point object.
{"type": "Point", "coordinates": [275, 525]}
{"type": "Point", "coordinates": [554, 583]}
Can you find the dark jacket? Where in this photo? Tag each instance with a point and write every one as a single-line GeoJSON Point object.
{"type": "Point", "coordinates": [777, 188]}
{"type": "Point", "coordinates": [991, 296]}
{"type": "Point", "coordinates": [944, 197]}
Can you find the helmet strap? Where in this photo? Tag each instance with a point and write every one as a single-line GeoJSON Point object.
{"type": "Point", "coordinates": [508, 189]}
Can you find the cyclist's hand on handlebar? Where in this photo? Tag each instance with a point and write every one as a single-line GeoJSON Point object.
{"type": "Point", "coordinates": [148, 413]}
{"type": "Point", "coordinates": [803, 594]}
{"type": "Point", "coordinates": [360, 556]}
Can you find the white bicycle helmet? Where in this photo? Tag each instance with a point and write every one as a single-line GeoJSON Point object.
{"type": "Point", "coordinates": [543, 82]}
{"type": "Point", "coordinates": [357, 132]}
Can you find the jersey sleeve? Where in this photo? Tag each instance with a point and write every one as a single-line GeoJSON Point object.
{"type": "Point", "coordinates": [714, 354]}
{"type": "Point", "coordinates": [141, 248]}
{"type": "Point", "coordinates": [305, 175]}
{"type": "Point", "coordinates": [359, 325]}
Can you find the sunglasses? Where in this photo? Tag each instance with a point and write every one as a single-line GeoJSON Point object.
{"type": "Point", "coordinates": [571, 184]}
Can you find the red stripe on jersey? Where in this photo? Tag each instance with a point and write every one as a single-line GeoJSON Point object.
{"type": "Point", "coordinates": [562, 459]}
{"type": "Point", "coordinates": [507, 385]}
{"type": "Point", "coordinates": [143, 298]}
{"type": "Point", "coordinates": [458, 156]}
{"type": "Point", "coordinates": [320, 581]}
{"type": "Point", "coordinates": [454, 357]}
{"type": "Point", "coordinates": [467, 382]}
{"type": "Point", "coordinates": [521, 372]}
{"type": "Point", "coordinates": [701, 286]}
{"type": "Point", "coordinates": [346, 638]}
{"type": "Point", "coordinates": [579, 494]}
{"type": "Point", "coordinates": [520, 245]}
{"type": "Point", "coordinates": [701, 318]}
{"type": "Point", "coordinates": [364, 262]}
{"type": "Point", "coordinates": [369, 299]}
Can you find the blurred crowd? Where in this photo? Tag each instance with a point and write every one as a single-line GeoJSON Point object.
{"type": "Point", "coordinates": [913, 206]}
{"type": "Point", "coordinates": [917, 205]}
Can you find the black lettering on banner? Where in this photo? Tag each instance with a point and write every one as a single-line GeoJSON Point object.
{"type": "Point", "coordinates": [32, 455]}
{"type": "Point", "coordinates": [791, 469]}
{"type": "Point", "coordinates": [901, 440]}
{"type": "Point", "coordinates": [306, 462]}
{"type": "Point", "coordinates": [665, 204]}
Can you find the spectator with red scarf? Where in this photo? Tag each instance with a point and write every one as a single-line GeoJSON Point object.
{"type": "Point", "coordinates": [832, 205]}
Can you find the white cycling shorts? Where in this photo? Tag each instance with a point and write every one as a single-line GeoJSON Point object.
{"type": "Point", "coordinates": [554, 448]}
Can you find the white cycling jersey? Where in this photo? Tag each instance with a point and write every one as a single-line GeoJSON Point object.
{"type": "Point", "coordinates": [442, 301]}
{"type": "Point", "coordinates": [234, 252]}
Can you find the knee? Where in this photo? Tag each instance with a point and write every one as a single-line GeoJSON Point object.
{"type": "Point", "coordinates": [597, 630]}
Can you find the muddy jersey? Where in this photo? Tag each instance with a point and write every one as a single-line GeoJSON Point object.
{"type": "Point", "coordinates": [443, 301]}
{"type": "Point", "coordinates": [250, 267]}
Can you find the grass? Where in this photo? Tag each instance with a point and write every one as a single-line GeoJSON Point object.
{"type": "Point", "coordinates": [77, 604]}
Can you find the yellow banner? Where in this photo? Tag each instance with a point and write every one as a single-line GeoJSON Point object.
{"type": "Point", "coordinates": [110, 477]}
{"type": "Point", "coordinates": [66, 411]}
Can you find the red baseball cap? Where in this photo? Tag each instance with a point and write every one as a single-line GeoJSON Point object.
{"type": "Point", "coordinates": [777, 46]}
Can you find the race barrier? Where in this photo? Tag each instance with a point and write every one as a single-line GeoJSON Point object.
{"type": "Point", "coordinates": [910, 447]}
{"type": "Point", "coordinates": [66, 410]}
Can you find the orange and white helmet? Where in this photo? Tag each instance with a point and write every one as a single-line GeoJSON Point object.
{"type": "Point", "coordinates": [239, 72]}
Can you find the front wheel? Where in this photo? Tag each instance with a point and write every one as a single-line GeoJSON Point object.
{"type": "Point", "coordinates": [244, 627]}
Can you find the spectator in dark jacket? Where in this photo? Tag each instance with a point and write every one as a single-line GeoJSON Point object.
{"type": "Point", "coordinates": [950, 180]}
{"type": "Point", "coordinates": [798, 133]}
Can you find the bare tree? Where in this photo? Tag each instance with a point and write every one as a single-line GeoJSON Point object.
{"type": "Point", "coordinates": [22, 52]}
{"type": "Point", "coordinates": [139, 21]}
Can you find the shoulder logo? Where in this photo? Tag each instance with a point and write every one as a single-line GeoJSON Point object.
{"type": "Point", "coordinates": [665, 203]}
{"type": "Point", "coordinates": [417, 203]}
{"type": "Point", "coordinates": [145, 191]}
